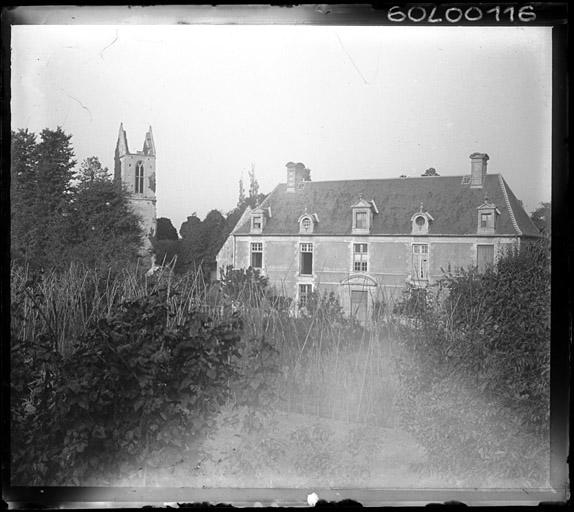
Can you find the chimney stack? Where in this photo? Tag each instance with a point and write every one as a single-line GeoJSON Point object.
{"type": "Point", "coordinates": [477, 169]}
{"type": "Point", "coordinates": [296, 174]}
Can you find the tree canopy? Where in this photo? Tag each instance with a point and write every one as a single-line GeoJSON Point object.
{"type": "Point", "coordinates": [60, 214]}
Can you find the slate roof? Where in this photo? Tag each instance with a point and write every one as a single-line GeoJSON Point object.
{"type": "Point", "coordinates": [452, 204]}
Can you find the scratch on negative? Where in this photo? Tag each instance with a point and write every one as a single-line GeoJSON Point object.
{"type": "Point", "coordinates": [115, 39]}
{"type": "Point", "coordinates": [82, 105]}
{"type": "Point", "coordinates": [351, 59]}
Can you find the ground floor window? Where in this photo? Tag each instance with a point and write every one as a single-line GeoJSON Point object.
{"type": "Point", "coordinates": [257, 254]}
{"type": "Point", "coordinates": [484, 256]}
{"type": "Point", "coordinates": [305, 291]}
{"type": "Point", "coordinates": [420, 261]}
{"type": "Point", "coordinates": [360, 257]}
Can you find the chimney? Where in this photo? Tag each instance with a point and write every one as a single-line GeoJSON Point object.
{"type": "Point", "coordinates": [296, 174]}
{"type": "Point", "coordinates": [477, 169]}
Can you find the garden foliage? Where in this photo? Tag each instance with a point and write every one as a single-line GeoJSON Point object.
{"type": "Point", "coordinates": [475, 368]}
{"type": "Point", "coordinates": [136, 383]}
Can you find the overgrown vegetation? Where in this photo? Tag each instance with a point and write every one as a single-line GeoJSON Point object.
{"type": "Point", "coordinates": [111, 371]}
{"type": "Point", "coordinates": [148, 375]}
{"type": "Point", "coordinates": [475, 369]}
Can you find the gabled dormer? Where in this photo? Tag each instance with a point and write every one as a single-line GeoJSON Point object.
{"type": "Point", "coordinates": [421, 222]}
{"type": "Point", "coordinates": [307, 222]}
{"type": "Point", "coordinates": [363, 212]}
{"type": "Point", "coordinates": [259, 217]}
{"type": "Point", "coordinates": [487, 218]}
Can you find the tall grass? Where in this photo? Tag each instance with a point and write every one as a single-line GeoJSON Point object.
{"type": "Point", "coordinates": [328, 367]}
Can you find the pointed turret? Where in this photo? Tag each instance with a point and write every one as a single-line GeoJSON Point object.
{"type": "Point", "coordinates": [121, 151]}
{"type": "Point", "coordinates": [149, 146]}
{"type": "Point", "coordinates": [122, 144]}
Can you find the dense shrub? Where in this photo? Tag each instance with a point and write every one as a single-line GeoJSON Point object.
{"type": "Point", "coordinates": [481, 350]}
{"type": "Point", "coordinates": [134, 385]}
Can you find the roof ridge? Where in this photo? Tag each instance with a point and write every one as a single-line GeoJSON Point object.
{"type": "Point", "coordinates": [508, 205]}
{"type": "Point", "coordinates": [398, 178]}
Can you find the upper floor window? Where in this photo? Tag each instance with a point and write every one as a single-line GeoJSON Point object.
{"type": "Point", "coordinates": [361, 220]}
{"type": "Point", "coordinates": [420, 269]}
{"type": "Point", "coordinates": [257, 223]}
{"type": "Point", "coordinates": [307, 222]}
{"type": "Point", "coordinates": [306, 259]}
{"type": "Point", "coordinates": [363, 212]}
{"type": "Point", "coordinates": [421, 221]}
{"type": "Point", "coordinates": [139, 184]}
{"type": "Point", "coordinates": [487, 213]}
{"type": "Point", "coordinates": [259, 217]}
{"type": "Point", "coordinates": [360, 257]}
{"type": "Point", "coordinates": [257, 255]}
{"type": "Point", "coordinates": [485, 220]}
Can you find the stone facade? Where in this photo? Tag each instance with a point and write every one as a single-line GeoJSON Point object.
{"type": "Point", "coordinates": [365, 240]}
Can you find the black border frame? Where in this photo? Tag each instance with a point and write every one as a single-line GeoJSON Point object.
{"type": "Point", "coordinates": [553, 14]}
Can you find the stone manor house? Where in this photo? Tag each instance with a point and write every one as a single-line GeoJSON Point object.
{"type": "Point", "coordinates": [365, 239]}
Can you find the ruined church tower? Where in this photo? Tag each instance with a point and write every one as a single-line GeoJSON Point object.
{"type": "Point", "coordinates": [136, 171]}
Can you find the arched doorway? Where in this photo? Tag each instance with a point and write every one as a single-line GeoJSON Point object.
{"type": "Point", "coordinates": [357, 293]}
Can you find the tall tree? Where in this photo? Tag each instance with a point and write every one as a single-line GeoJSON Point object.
{"type": "Point", "coordinates": [542, 218]}
{"type": "Point", "coordinates": [23, 191]}
{"type": "Point", "coordinates": [102, 228]}
{"type": "Point", "coordinates": [44, 172]}
{"type": "Point", "coordinates": [91, 170]}
{"type": "Point", "coordinates": [253, 184]}
{"type": "Point", "coordinates": [241, 199]}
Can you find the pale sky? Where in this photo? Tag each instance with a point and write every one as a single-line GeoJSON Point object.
{"type": "Point", "coordinates": [348, 102]}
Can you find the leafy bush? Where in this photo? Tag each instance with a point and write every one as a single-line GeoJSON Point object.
{"type": "Point", "coordinates": [134, 385]}
{"type": "Point", "coordinates": [481, 351]}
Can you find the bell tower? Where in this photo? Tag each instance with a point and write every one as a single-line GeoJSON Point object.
{"type": "Point", "coordinates": [136, 172]}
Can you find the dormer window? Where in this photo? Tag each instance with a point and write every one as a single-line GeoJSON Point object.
{"type": "Point", "coordinates": [259, 218]}
{"type": "Point", "coordinates": [307, 223]}
{"type": "Point", "coordinates": [363, 216]}
{"type": "Point", "coordinates": [487, 215]}
{"type": "Point", "coordinates": [486, 220]}
{"type": "Point", "coordinates": [361, 220]}
{"type": "Point", "coordinates": [421, 222]}
{"type": "Point", "coordinates": [257, 223]}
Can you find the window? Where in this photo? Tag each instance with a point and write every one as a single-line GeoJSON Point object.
{"type": "Point", "coordinates": [360, 257]}
{"type": "Point", "coordinates": [305, 291]}
{"type": "Point", "coordinates": [306, 262]}
{"type": "Point", "coordinates": [139, 178]}
{"type": "Point", "coordinates": [420, 261]}
{"type": "Point", "coordinates": [484, 256]}
{"type": "Point", "coordinates": [487, 215]}
{"type": "Point", "coordinates": [257, 254]}
{"type": "Point", "coordinates": [361, 220]}
{"type": "Point", "coordinates": [306, 224]}
{"type": "Point", "coordinates": [257, 223]}
{"type": "Point", "coordinates": [420, 221]}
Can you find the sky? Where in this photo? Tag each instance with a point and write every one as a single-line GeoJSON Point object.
{"type": "Point", "coordinates": [348, 102]}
